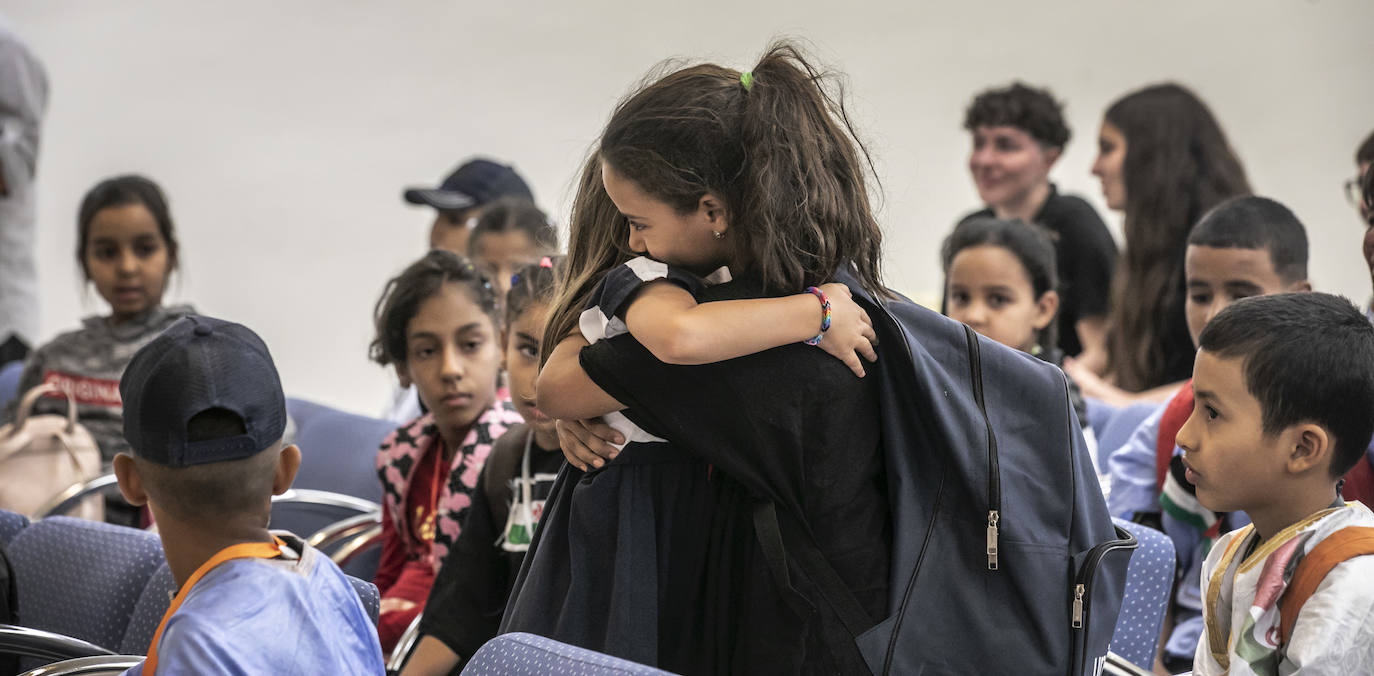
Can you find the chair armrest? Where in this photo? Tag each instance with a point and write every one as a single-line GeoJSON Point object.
{"type": "Point", "coordinates": [405, 646]}
{"type": "Point", "coordinates": [72, 495]}
{"type": "Point", "coordinates": [343, 530]}
{"type": "Point", "coordinates": [16, 640]}
{"type": "Point", "coordinates": [104, 665]}
{"type": "Point", "coordinates": [328, 498]}
{"type": "Point", "coordinates": [351, 549]}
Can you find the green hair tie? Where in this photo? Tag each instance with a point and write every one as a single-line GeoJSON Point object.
{"type": "Point", "coordinates": [747, 79]}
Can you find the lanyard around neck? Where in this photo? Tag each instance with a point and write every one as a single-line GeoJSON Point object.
{"type": "Point", "coordinates": [246, 550]}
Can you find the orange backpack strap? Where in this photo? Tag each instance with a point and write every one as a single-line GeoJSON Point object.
{"type": "Point", "coordinates": [1338, 547]}
{"type": "Point", "coordinates": [1176, 413]}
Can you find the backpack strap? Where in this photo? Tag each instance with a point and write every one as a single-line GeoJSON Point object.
{"type": "Point", "coordinates": [772, 532]}
{"type": "Point", "coordinates": [1176, 413]}
{"type": "Point", "coordinates": [1338, 547]}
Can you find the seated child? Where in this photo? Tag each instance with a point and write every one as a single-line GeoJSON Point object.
{"type": "Point", "coordinates": [1284, 387]}
{"type": "Point", "coordinates": [1247, 246]}
{"type": "Point", "coordinates": [126, 245]}
{"type": "Point", "coordinates": [509, 235]}
{"type": "Point", "coordinates": [464, 608]}
{"type": "Point", "coordinates": [204, 415]}
{"type": "Point", "coordinates": [1001, 280]}
{"type": "Point", "coordinates": [437, 325]}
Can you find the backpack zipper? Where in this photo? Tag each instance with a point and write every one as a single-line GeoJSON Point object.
{"type": "Point", "coordinates": [994, 472]}
{"type": "Point", "coordinates": [1078, 613]}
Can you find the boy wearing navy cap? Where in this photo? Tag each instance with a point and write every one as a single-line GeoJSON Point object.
{"type": "Point", "coordinates": [204, 415]}
{"type": "Point", "coordinates": [462, 195]}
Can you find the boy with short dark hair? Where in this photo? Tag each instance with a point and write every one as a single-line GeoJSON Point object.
{"type": "Point", "coordinates": [1247, 246]}
{"type": "Point", "coordinates": [1284, 388]}
{"type": "Point", "coordinates": [204, 415]}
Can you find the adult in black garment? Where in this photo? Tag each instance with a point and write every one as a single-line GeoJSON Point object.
{"type": "Point", "coordinates": [766, 162]}
{"type": "Point", "coordinates": [1018, 135]}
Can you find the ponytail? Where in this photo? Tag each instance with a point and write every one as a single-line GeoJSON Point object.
{"type": "Point", "coordinates": [803, 207]}
{"type": "Point", "coordinates": [774, 144]}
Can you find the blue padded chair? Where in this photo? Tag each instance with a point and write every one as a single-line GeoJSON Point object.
{"type": "Point", "coordinates": [10, 525]}
{"type": "Point", "coordinates": [9, 382]}
{"type": "Point", "coordinates": [1123, 422]}
{"type": "Point", "coordinates": [82, 578]}
{"type": "Point", "coordinates": [529, 654]}
{"type": "Point", "coordinates": [1099, 414]}
{"type": "Point", "coordinates": [339, 453]}
{"type": "Point", "coordinates": [304, 411]}
{"type": "Point", "coordinates": [1149, 579]}
{"type": "Point", "coordinates": [152, 605]}
{"type": "Point", "coordinates": [368, 594]}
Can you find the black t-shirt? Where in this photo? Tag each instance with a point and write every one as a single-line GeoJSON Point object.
{"type": "Point", "coordinates": [1086, 261]}
{"type": "Point", "coordinates": [470, 591]}
{"type": "Point", "coordinates": [791, 424]}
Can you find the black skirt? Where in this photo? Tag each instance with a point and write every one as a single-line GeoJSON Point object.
{"type": "Point", "coordinates": [622, 560]}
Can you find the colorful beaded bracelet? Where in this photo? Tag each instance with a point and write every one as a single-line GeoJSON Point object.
{"type": "Point", "coordinates": [825, 315]}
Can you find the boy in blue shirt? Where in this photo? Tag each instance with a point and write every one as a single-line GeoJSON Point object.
{"type": "Point", "coordinates": [204, 415]}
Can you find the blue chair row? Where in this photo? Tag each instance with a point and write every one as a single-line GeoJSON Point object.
{"type": "Point", "coordinates": [506, 655]}
{"type": "Point", "coordinates": [99, 583]}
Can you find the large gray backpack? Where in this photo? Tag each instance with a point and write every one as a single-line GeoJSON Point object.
{"type": "Point", "coordinates": [1004, 557]}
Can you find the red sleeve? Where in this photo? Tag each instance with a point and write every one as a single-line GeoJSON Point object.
{"type": "Point", "coordinates": [393, 554]}
{"type": "Point", "coordinates": [1359, 483]}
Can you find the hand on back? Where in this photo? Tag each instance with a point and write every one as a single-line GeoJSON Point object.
{"type": "Point", "coordinates": [850, 337]}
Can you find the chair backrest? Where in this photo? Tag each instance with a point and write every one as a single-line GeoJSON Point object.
{"type": "Point", "coordinates": [521, 653]}
{"type": "Point", "coordinates": [339, 453]}
{"type": "Point", "coordinates": [82, 578]}
{"type": "Point", "coordinates": [10, 525]}
{"type": "Point", "coordinates": [152, 605]}
{"type": "Point", "coordinates": [9, 382]}
{"type": "Point", "coordinates": [1123, 422]}
{"type": "Point", "coordinates": [304, 411]}
{"type": "Point", "coordinates": [1149, 579]}
{"type": "Point", "coordinates": [368, 594]}
{"type": "Point", "coordinates": [1099, 414]}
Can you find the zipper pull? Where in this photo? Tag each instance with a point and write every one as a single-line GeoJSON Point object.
{"type": "Point", "coordinates": [1078, 606]}
{"type": "Point", "coordinates": [992, 540]}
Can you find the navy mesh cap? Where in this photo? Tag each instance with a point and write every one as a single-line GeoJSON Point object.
{"type": "Point", "coordinates": [198, 364]}
{"type": "Point", "coordinates": [473, 184]}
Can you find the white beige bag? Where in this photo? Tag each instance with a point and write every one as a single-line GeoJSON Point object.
{"type": "Point", "coordinates": [43, 455]}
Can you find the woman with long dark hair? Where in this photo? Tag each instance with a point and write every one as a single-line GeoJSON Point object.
{"type": "Point", "coordinates": [1164, 161]}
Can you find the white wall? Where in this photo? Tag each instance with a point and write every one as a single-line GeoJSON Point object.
{"type": "Point", "coordinates": [284, 131]}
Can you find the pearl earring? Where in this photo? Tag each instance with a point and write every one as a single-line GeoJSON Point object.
{"type": "Point", "coordinates": [718, 234]}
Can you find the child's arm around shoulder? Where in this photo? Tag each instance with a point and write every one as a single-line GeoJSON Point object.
{"type": "Point", "coordinates": [565, 391]}
{"type": "Point", "coordinates": [668, 321]}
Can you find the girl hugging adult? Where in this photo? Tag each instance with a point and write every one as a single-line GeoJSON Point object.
{"type": "Point", "coordinates": [759, 173]}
